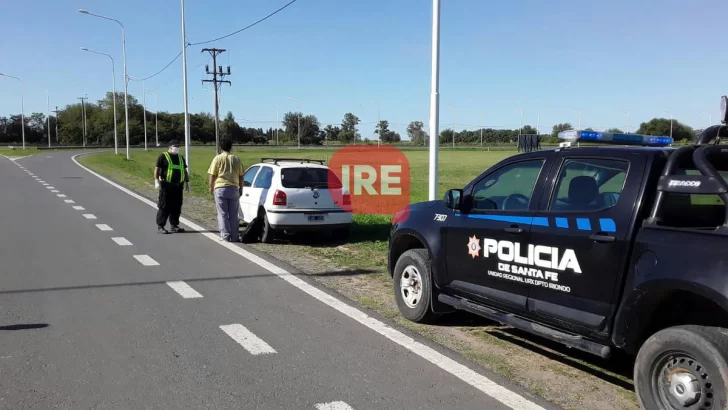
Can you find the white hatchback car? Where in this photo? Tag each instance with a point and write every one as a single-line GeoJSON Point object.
{"type": "Point", "coordinates": [290, 195]}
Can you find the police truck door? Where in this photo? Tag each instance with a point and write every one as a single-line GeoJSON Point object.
{"type": "Point", "coordinates": [487, 242]}
{"type": "Point", "coordinates": [589, 209]}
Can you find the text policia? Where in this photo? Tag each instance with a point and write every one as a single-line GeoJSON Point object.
{"type": "Point", "coordinates": [511, 257]}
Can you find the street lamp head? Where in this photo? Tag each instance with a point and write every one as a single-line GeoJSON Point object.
{"type": "Point", "coordinates": [82, 11]}
{"type": "Point", "coordinates": [84, 48]}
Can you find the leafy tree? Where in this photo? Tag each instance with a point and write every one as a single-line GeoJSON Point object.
{"type": "Point", "coordinates": [661, 126]}
{"type": "Point", "coordinates": [416, 132]}
{"type": "Point", "coordinates": [560, 127]}
{"type": "Point", "coordinates": [332, 133]}
{"type": "Point", "coordinates": [385, 134]}
{"type": "Point", "coordinates": [309, 127]}
{"type": "Point", "coordinates": [615, 131]}
{"type": "Point", "coordinates": [348, 128]}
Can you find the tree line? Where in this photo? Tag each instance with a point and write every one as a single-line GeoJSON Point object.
{"type": "Point", "coordinates": [100, 128]}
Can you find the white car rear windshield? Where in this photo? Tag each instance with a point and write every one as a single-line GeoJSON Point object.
{"type": "Point", "coordinates": [302, 177]}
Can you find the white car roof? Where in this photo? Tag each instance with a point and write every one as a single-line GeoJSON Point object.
{"type": "Point", "coordinates": [291, 164]}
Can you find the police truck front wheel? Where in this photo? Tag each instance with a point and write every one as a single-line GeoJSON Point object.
{"type": "Point", "coordinates": [683, 367]}
{"type": "Point", "coordinates": [413, 286]}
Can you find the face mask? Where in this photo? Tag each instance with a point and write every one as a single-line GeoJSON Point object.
{"type": "Point", "coordinates": [175, 150]}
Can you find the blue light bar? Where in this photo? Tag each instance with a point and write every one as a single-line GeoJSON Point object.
{"type": "Point", "coordinates": [614, 138]}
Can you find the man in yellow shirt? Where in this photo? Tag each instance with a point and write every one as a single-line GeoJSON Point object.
{"type": "Point", "coordinates": [226, 185]}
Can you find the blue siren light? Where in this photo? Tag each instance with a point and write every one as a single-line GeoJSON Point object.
{"type": "Point", "coordinates": [615, 138]}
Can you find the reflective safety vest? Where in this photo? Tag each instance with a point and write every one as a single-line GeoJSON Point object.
{"type": "Point", "coordinates": [171, 167]}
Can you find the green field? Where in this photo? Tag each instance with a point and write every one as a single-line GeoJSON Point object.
{"type": "Point", "coordinates": [367, 247]}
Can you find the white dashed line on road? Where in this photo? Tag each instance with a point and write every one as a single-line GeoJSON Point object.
{"type": "Point", "coordinates": [104, 227]}
{"type": "Point", "coordinates": [50, 187]}
{"type": "Point", "coordinates": [79, 208]}
{"type": "Point", "coordinates": [469, 376]}
{"type": "Point", "coordinates": [89, 216]}
{"type": "Point", "coordinates": [252, 343]}
{"type": "Point", "coordinates": [334, 405]}
{"type": "Point", "coordinates": [146, 260]}
{"type": "Point", "coordinates": [69, 201]}
{"type": "Point", "coordinates": [61, 195]}
{"type": "Point", "coordinates": [184, 289]}
{"type": "Point", "coordinates": [121, 241]}
{"type": "Point", "coordinates": [45, 184]}
{"type": "Point", "coordinates": [55, 191]}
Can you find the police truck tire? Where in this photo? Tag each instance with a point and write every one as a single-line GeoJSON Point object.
{"type": "Point", "coordinates": [683, 367]}
{"type": "Point", "coordinates": [413, 286]}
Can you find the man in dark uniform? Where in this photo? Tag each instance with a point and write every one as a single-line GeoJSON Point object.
{"type": "Point", "coordinates": [170, 178]}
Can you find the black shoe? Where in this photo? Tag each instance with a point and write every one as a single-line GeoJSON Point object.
{"type": "Point", "coordinates": [177, 229]}
{"type": "Point", "coordinates": [162, 230]}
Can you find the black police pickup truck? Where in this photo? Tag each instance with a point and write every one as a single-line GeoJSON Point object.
{"type": "Point", "coordinates": [596, 247]}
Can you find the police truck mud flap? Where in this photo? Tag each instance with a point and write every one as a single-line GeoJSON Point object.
{"type": "Point", "coordinates": [510, 319]}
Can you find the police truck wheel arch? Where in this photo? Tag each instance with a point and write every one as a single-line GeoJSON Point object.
{"type": "Point", "coordinates": [683, 367]}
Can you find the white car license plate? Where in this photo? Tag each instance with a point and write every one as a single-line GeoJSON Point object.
{"type": "Point", "coordinates": [316, 217]}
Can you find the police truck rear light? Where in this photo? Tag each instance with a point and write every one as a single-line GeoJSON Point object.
{"type": "Point", "coordinates": [279, 198]}
{"type": "Point", "coordinates": [615, 138]}
{"type": "Point", "coordinates": [346, 199]}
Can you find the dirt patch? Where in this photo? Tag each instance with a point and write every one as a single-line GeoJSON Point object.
{"type": "Point", "coordinates": [564, 377]}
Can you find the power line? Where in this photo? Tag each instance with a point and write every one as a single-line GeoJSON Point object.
{"type": "Point", "coordinates": [244, 28]}
{"type": "Point", "coordinates": [158, 72]}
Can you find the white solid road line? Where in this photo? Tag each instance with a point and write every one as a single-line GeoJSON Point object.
{"type": "Point", "coordinates": [184, 289]}
{"type": "Point", "coordinates": [79, 208]}
{"type": "Point", "coordinates": [334, 405]}
{"type": "Point", "coordinates": [61, 195]}
{"type": "Point", "coordinates": [462, 372]}
{"type": "Point", "coordinates": [121, 241]}
{"type": "Point", "coordinates": [89, 216]}
{"type": "Point", "coordinates": [69, 201]}
{"type": "Point", "coordinates": [146, 260]}
{"type": "Point", "coordinates": [104, 227]}
{"type": "Point", "coordinates": [250, 342]}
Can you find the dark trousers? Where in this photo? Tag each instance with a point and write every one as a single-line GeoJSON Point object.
{"type": "Point", "coordinates": [170, 204]}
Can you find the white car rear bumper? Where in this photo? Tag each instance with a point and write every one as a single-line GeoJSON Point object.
{"type": "Point", "coordinates": [308, 219]}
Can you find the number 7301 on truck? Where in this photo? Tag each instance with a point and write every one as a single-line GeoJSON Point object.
{"type": "Point", "coordinates": [620, 243]}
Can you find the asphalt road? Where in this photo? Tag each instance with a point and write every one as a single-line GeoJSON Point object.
{"type": "Point", "coordinates": [99, 311]}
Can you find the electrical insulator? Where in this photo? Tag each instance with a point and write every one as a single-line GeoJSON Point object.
{"type": "Point", "coordinates": [219, 69]}
{"type": "Point", "coordinates": [207, 68]}
{"type": "Point", "coordinates": [228, 70]}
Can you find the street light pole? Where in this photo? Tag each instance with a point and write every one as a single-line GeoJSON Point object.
{"type": "Point", "coordinates": [538, 124]}
{"type": "Point", "coordinates": [298, 107]}
{"type": "Point", "coordinates": [144, 104]}
{"type": "Point", "coordinates": [669, 114]}
{"type": "Point", "coordinates": [453, 124]}
{"type": "Point", "coordinates": [578, 112]}
{"type": "Point", "coordinates": [156, 110]}
{"type": "Point", "coordinates": [113, 89]}
{"type": "Point", "coordinates": [22, 107]}
{"type": "Point", "coordinates": [278, 124]}
{"type": "Point", "coordinates": [434, 100]}
{"type": "Point", "coordinates": [379, 136]}
{"type": "Point", "coordinates": [521, 110]}
{"type": "Point", "coordinates": [126, 78]}
{"type": "Point", "coordinates": [48, 109]}
{"type": "Point", "coordinates": [628, 118]}
{"type": "Point", "coordinates": [184, 90]}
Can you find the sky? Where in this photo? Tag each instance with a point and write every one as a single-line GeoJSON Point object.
{"type": "Point", "coordinates": [652, 58]}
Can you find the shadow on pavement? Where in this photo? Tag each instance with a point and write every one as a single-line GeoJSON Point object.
{"type": "Point", "coordinates": [26, 326]}
{"type": "Point", "coordinates": [620, 364]}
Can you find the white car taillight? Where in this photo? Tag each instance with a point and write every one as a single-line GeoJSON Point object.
{"type": "Point", "coordinates": [279, 198]}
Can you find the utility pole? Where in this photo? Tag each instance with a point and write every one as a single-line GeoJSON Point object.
{"type": "Point", "coordinates": [216, 71]}
{"type": "Point", "coordinates": [83, 107]}
{"type": "Point", "coordinates": [56, 111]}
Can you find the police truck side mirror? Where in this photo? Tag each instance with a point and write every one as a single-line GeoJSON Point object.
{"type": "Point", "coordinates": [452, 198]}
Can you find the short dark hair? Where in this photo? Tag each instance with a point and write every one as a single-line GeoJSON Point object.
{"type": "Point", "coordinates": [226, 144]}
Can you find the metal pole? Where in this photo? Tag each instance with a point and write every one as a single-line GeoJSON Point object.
{"type": "Point", "coordinates": [113, 88]}
{"type": "Point", "coordinates": [156, 111]}
{"type": "Point", "coordinates": [453, 125]}
{"type": "Point", "coordinates": [144, 106]}
{"type": "Point", "coordinates": [56, 124]}
{"type": "Point", "coordinates": [48, 108]}
{"type": "Point", "coordinates": [434, 100]}
{"type": "Point", "coordinates": [22, 107]}
{"type": "Point", "coordinates": [184, 90]}
{"type": "Point", "coordinates": [538, 122]}
{"type": "Point", "coordinates": [578, 112]}
{"type": "Point", "coordinates": [521, 110]}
